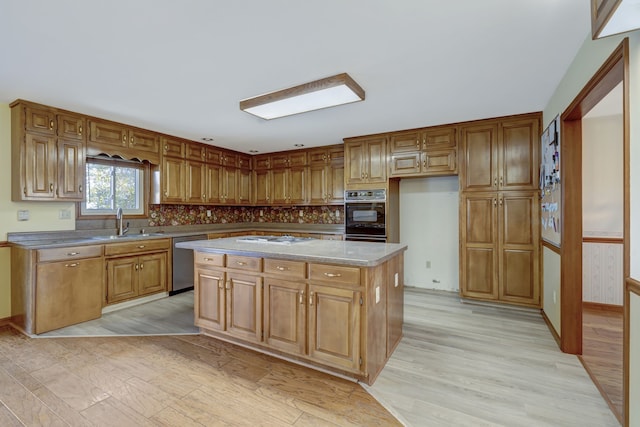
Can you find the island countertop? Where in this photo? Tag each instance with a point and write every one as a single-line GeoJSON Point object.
{"type": "Point", "coordinates": [363, 254]}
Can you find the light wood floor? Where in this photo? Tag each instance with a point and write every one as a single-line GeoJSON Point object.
{"type": "Point", "coordinates": [602, 345]}
{"type": "Point", "coordinates": [458, 365]}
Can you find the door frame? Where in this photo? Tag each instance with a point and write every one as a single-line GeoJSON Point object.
{"type": "Point", "coordinates": [611, 73]}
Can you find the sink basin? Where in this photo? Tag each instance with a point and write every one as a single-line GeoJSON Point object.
{"type": "Point", "coordinates": [274, 240]}
{"type": "Point", "coordinates": [126, 236]}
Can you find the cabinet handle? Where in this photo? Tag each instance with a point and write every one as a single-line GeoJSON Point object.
{"type": "Point", "coordinates": [80, 188]}
{"type": "Point", "coordinates": [229, 284]}
{"type": "Point", "coordinates": [417, 142]}
{"type": "Point", "coordinates": [132, 141]}
{"type": "Point", "coordinates": [501, 182]}
{"type": "Point", "coordinates": [500, 201]}
{"type": "Point", "coordinates": [362, 175]}
{"type": "Point", "coordinates": [137, 267]}
{"type": "Point", "coordinates": [141, 266]}
{"type": "Point", "coordinates": [311, 298]}
{"type": "Point", "coordinates": [208, 259]}
{"type": "Point", "coordinates": [241, 263]}
{"type": "Point", "coordinates": [424, 163]}
{"type": "Point", "coordinates": [366, 175]}
{"type": "Point", "coordinates": [495, 182]}
{"type": "Point", "coordinates": [80, 130]}
{"type": "Point", "coordinates": [301, 297]}
{"type": "Point", "coordinates": [221, 284]}
{"type": "Point", "coordinates": [124, 138]}
{"type": "Point", "coordinates": [166, 148]}
{"type": "Point", "coordinates": [73, 253]}
{"type": "Point", "coordinates": [51, 124]}
{"type": "Point", "coordinates": [495, 202]}
{"type": "Point", "coordinates": [333, 274]}
{"type": "Point", "coordinates": [141, 247]}
{"type": "Point", "coordinates": [51, 188]}
{"type": "Point", "coordinates": [75, 264]}
{"type": "Point", "coordinates": [282, 268]}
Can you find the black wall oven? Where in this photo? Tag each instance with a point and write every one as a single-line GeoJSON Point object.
{"type": "Point", "coordinates": [365, 215]}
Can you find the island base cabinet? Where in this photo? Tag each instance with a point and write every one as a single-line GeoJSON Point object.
{"type": "Point", "coordinates": [67, 293]}
{"type": "Point", "coordinates": [209, 300]}
{"type": "Point", "coordinates": [334, 326]}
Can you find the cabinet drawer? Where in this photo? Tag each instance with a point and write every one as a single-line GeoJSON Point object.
{"type": "Point", "coordinates": [215, 260]}
{"type": "Point", "coordinates": [245, 263]}
{"type": "Point", "coordinates": [72, 252]}
{"type": "Point", "coordinates": [290, 269]}
{"type": "Point", "coordinates": [334, 274]}
{"type": "Point", "coordinates": [137, 246]}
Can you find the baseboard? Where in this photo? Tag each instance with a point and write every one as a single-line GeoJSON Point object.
{"type": "Point", "coordinates": [603, 307]}
{"type": "Point", "coordinates": [6, 321]}
{"type": "Point", "coordinates": [551, 329]}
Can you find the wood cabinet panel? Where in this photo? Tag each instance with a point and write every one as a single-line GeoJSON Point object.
{"type": "Point", "coordinates": [40, 163]}
{"type": "Point", "coordinates": [480, 275]}
{"type": "Point", "coordinates": [285, 315]}
{"type": "Point", "coordinates": [210, 260]}
{"type": "Point", "coordinates": [40, 119]}
{"type": "Point", "coordinates": [71, 126]}
{"type": "Point", "coordinates": [365, 160]}
{"type": "Point", "coordinates": [144, 141]}
{"type": "Point", "coordinates": [479, 157]}
{"type": "Point", "coordinates": [152, 276]}
{"type": "Point", "coordinates": [196, 184]}
{"type": "Point", "coordinates": [68, 292]}
{"type": "Point", "coordinates": [245, 263]}
{"type": "Point", "coordinates": [262, 187]}
{"type": "Point", "coordinates": [107, 133]}
{"type": "Point", "coordinates": [283, 267]}
{"type": "Point", "coordinates": [244, 186]}
{"type": "Point", "coordinates": [209, 299]}
{"type": "Point", "coordinates": [213, 185]}
{"type": "Point", "coordinates": [173, 148]}
{"type": "Point", "coordinates": [122, 279]}
{"type": "Point", "coordinates": [174, 176]}
{"type": "Point", "coordinates": [335, 274]}
{"type": "Point", "coordinates": [71, 169]}
{"type": "Point", "coordinates": [138, 246]}
{"type": "Point", "coordinates": [518, 156]}
{"type": "Point", "coordinates": [334, 326]}
{"type": "Point", "coordinates": [244, 305]}
{"type": "Point", "coordinates": [68, 253]}
{"type": "Point", "coordinates": [442, 162]}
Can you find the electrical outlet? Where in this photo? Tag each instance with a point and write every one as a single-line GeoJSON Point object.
{"type": "Point", "coordinates": [428, 264]}
{"type": "Point", "coordinates": [261, 212]}
{"type": "Point", "coordinates": [208, 213]}
{"type": "Point", "coordinates": [64, 214]}
{"type": "Point", "coordinates": [23, 215]}
{"type": "Point", "coordinates": [301, 213]}
{"type": "Point", "coordinates": [337, 214]}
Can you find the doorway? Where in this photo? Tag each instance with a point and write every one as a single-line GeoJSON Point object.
{"type": "Point", "coordinates": [613, 73]}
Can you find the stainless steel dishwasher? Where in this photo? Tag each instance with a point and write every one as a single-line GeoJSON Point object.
{"type": "Point", "coordinates": [183, 265]}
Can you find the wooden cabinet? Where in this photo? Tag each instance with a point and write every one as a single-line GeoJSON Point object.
{"type": "Point", "coordinates": [136, 269]}
{"type": "Point", "coordinates": [425, 152]}
{"type": "Point", "coordinates": [118, 139]}
{"type": "Point", "coordinates": [500, 247]}
{"type": "Point", "coordinates": [48, 153]}
{"type": "Point", "coordinates": [326, 175]}
{"type": "Point", "coordinates": [209, 299]}
{"type": "Point", "coordinates": [262, 187]}
{"type": "Point", "coordinates": [196, 187]}
{"type": "Point", "coordinates": [288, 186]}
{"type": "Point", "coordinates": [244, 305]}
{"type": "Point", "coordinates": [365, 161]}
{"type": "Point", "coordinates": [501, 154]}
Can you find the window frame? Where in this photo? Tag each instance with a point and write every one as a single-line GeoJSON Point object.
{"type": "Point", "coordinates": [144, 187]}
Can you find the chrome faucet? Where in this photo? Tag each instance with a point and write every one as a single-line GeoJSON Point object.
{"type": "Point", "coordinates": [119, 221]}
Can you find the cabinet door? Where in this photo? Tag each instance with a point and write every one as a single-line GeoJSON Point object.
{"type": "Point", "coordinates": [152, 273]}
{"type": "Point", "coordinates": [141, 140]}
{"type": "Point", "coordinates": [405, 142]}
{"type": "Point", "coordinates": [335, 181]}
{"type": "Point", "coordinates": [279, 189]}
{"type": "Point", "coordinates": [262, 187]}
{"type": "Point", "coordinates": [40, 167]}
{"type": "Point", "coordinates": [67, 293]}
{"type": "Point", "coordinates": [318, 184]}
{"type": "Point", "coordinates": [244, 185]}
{"type": "Point", "coordinates": [285, 315]}
{"type": "Point", "coordinates": [405, 164]}
{"type": "Point", "coordinates": [297, 185]}
{"type": "Point", "coordinates": [40, 120]}
{"type": "Point", "coordinates": [244, 306]}
{"type": "Point", "coordinates": [229, 185]}
{"type": "Point", "coordinates": [71, 126]}
{"type": "Point", "coordinates": [213, 185]}
{"type": "Point", "coordinates": [519, 248]}
{"type": "Point", "coordinates": [173, 148]}
{"type": "Point", "coordinates": [439, 138]}
{"type": "Point", "coordinates": [122, 279]}
{"type": "Point", "coordinates": [518, 154]}
{"type": "Point", "coordinates": [479, 149]}
{"type": "Point", "coordinates": [479, 235]}
{"type": "Point", "coordinates": [173, 180]}
{"type": "Point", "coordinates": [209, 299]}
{"type": "Point", "coordinates": [195, 183]}
{"type": "Point", "coordinates": [108, 133]}
{"type": "Point", "coordinates": [355, 162]}
{"type": "Point", "coordinates": [334, 326]}
{"type": "Point", "coordinates": [71, 169]}
{"type": "Point", "coordinates": [439, 162]}
{"type": "Point", "coordinates": [377, 161]}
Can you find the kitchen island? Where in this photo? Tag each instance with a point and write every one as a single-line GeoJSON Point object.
{"type": "Point", "coordinates": [332, 305]}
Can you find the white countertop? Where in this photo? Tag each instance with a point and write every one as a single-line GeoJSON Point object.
{"type": "Point", "coordinates": [362, 254]}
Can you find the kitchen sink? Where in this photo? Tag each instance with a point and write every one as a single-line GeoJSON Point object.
{"type": "Point", "coordinates": [274, 240]}
{"type": "Point", "coordinates": [126, 236]}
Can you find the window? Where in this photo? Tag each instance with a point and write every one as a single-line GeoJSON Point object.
{"type": "Point", "coordinates": [113, 184]}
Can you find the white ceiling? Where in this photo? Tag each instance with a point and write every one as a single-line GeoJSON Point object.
{"type": "Point", "coordinates": [181, 67]}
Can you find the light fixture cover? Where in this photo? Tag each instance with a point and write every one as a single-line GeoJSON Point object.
{"type": "Point", "coordinates": [328, 92]}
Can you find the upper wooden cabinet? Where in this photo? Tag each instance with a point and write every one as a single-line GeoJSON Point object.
{"type": "Point", "coordinates": [129, 142]}
{"type": "Point", "coordinates": [365, 160]}
{"type": "Point", "coordinates": [326, 175]}
{"type": "Point", "coordinates": [48, 153]}
{"type": "Point", "coordinates": [500, 154]}
{"type": "Point", "coordinates": [423, 152]}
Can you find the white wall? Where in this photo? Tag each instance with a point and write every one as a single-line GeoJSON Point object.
{"type": "Point", "coordinates": [634, 361]}
{"type": "Point", "coordinates": [429, 226]}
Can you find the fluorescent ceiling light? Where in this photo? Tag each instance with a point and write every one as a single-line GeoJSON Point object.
{"type": "Point", "coordinates": [328, 92]}
{"type": "Point", "coordinates": [625, 17]}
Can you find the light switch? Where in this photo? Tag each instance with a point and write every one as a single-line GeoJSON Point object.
{"type": "Point", "coordinates": [23, 215]}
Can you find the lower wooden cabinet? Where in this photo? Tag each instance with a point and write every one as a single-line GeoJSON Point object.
{"type": "Point", "coordinates": [335, 316]}
{"type": "Point", "coordinates": [131, 277]}
{"type": "Point", "coordinates": [499, 257]}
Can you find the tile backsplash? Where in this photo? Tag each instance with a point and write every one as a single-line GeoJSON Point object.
{"type": "Point", "coordinates": [173, 215]}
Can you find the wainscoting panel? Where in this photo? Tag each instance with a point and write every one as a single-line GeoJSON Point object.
{"type": "Point", "coordinates": [602, 279]}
